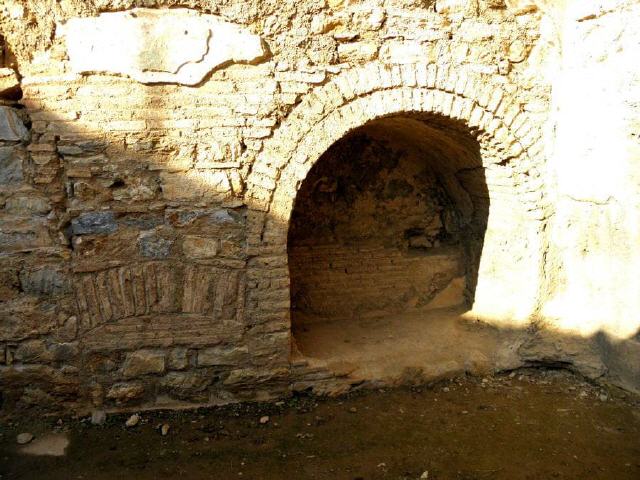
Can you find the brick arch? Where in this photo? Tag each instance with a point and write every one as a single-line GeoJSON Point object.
{"type": "Point", "coordinates": [508, 139]}
{"type": "Point", "coordinates": [358, 96]}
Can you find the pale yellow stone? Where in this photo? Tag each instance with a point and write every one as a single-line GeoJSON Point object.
{"type": "Point", "coordinates": [200, 247]}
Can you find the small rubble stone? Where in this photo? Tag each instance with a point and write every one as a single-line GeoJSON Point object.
{"type": "Point", "coordinates": [133, 420]}
{"type": "Point", "coordinates": [264, 420]}
{"type": "Point", "coordinates": [164, 430]}
{"type": "Point", "coordinates": [24, 438]}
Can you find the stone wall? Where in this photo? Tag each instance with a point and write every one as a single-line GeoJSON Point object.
{"type": "Point", "coordinates": [146, 199]}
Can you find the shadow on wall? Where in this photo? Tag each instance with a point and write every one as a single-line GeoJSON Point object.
{"type": "Point", "coordinates": [173, 275]}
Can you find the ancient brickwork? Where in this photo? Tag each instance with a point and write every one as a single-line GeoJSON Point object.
{"type": "Point", "coordinates": [375, 230]}
{"type": "Point", "coordinates": [146, 202]}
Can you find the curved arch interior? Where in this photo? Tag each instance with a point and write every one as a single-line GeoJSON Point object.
{"type": "Point", "coordinates": [384, 244]}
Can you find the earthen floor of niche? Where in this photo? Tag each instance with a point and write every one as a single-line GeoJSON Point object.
{"type": "Point", "coordinates": [406, 347]}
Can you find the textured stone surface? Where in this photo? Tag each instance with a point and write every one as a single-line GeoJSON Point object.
{"type": "Point", "coordinates": [10, 166]}
{"type": "Point", "coordinates": [154, 246]}
{"type": "Point", "coordinates": [123, 392]}
{"type": "Point", "coordinates": [199, 247]}
{"type": "Point", "coordinates": [45, 281]}
{"type": "Point", "coordinates": [143, 362]}
{"type": "Point", "coordinates": [11, 127]}
{"type": "Point", "coordinates": [153, 46]}
{"type": "Point", "coordinates": [178, 359]}
{"type": "Point", "coordinates": [224, 355]}
{"type": "Point", "coordinates": [145, 224]}
{"type": "Point", "coordinates": [94, 223]}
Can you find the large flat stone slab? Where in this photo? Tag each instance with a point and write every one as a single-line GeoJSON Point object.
{"type": "Point", "coordinates": [158, 46]}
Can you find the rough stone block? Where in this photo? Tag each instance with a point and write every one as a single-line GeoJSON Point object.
{"type": "Point", "coordinates": [124, 392]}
{"type": "Point", "coordinates": [143, 362]}
{"type": "Point", "coordinates": [152, 245]}
{"type": "Point", "coordinates": [200, 247]}
{"type": "Point", "coordinates": [178, 359]}
{"type": "Point", "coordinates": [185, 384]}
{"type": "Point", "coordinates": [63, 352]}
{"type": "Point", "coordinates": [93, 223]}
{"type": "Point", "coordinates": [32, 351]}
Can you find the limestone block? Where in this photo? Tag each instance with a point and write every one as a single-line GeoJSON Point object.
{"type": "Point", "coordinates": [143, 362]}
{"type": "Point", "coordinates": [200, 247]}
{"type": "Point", "coordinates": [158, 45]}
{"type": "Point", "coordinates": [11, 127]}
{"type": "Point", "coordinates": [21, 318]}
{"type": "Point", "coordinates": [517, 51]}
{"type": "Point", "coordinates": [225, 216]}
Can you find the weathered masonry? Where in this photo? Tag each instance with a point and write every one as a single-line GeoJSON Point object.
{"type": "Point", "coordinates": [239, 200]}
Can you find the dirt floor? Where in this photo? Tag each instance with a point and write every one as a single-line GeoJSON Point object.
{"type": "Point", "coordinates": [532, 424]}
